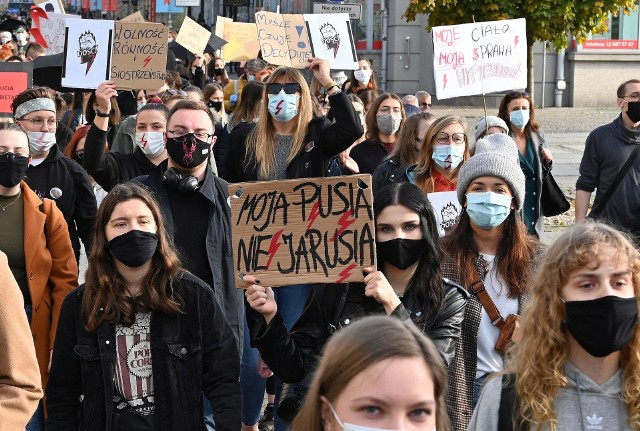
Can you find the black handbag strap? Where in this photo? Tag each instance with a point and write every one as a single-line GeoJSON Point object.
{"type": "Point", "coordinates": [335, 322]}
{"type": "Point", "coordinates": [616, 182]}
{"type": "Point", "coordinates": [508, 412]}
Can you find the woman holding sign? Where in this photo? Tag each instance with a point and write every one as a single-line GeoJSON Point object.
{"type": "Point", "coordinates": [407, 285]}
{"type": "Point", "coordinates": [286, 143]}
{"type": "Point", "coordinates": [490, 253]}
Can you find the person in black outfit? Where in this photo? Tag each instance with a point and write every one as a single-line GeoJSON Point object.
{"type": "Point", "coordinates": [408, 285]}
{"type": "Point", "coordinates": [142, 340]}
{"type": "Point", "coordinates": [109, 169]}
{"type": "Point", "coordinates": [51, 175]}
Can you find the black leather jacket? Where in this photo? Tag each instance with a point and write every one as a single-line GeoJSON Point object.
{"type": "Point", "coordinates": [292, 356]}
{"type": "Point", "coordinates": [193, 353]}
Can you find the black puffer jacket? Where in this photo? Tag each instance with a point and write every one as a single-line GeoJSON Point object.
{"type": "Point", "coordinates": [292, 356]}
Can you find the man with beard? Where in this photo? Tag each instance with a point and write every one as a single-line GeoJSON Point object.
{"type": "Point", "coordinates": [611, 165]}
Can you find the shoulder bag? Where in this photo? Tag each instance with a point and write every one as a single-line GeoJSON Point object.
{"type": "Point", "coordinates": [552, 198]}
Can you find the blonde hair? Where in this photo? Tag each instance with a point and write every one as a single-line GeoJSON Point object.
{"type": "Point", "coordinates": [425, 164]}
{"type": "Point", "coordinates": [261, 140]}
{"type": "Point", "coordinates": [540, 357]}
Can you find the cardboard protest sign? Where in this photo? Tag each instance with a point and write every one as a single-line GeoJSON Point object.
{"type": "Point", "coordinates": [479, 58]}
{"type": "Point", "coordinates": [87, 53]}
{"type": "Point", "coordinates": [318, 230]}
{"type": "Point", "coordinates": [139, 55]}
{"type": "Point", "coordinates": [14, 79]}
{"type": "Point", "coordinates": [447, 210]}
{"type": "Point", "coordinates": [193, 36]}
{"type": "Point", "coordinates": [283, 39]}
{"type": "Point", "coordinates": [331, 38]}
{"type": "Point", "coordinates": [242, 41]}
{"type": "Point", "coordinates": [134, 17]}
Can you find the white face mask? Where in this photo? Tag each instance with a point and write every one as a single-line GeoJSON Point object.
{"type": "Point", "coordinates": [4, 39]}
{"type": "Point", "coordinates": [151, 143]}
{"type": "Point", "coordinates": [41, 142]}
{"type": "Point", "coordinates": [362, 76]}
{"type": "Point", "coordinates": [351, 427]}
{"type": "Point", "coordinates": [21, 37]}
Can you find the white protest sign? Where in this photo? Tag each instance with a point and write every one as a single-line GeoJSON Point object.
{"type": "Point", "coordinates": [52, 31]}
{"type": "Point", "coordinates": [479, 58]}
{"type": "Point", "coordinates": [447, 210]}
{"type": "Point", "coordinates": [87, 53]}
{"type": "Point", "coordinates": [331, 38]}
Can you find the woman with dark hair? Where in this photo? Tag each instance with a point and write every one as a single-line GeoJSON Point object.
{"type": "Point", "coordinates": [518, 111]}
{"type": "Point", "coordinates": [385, 357]}
{"type": "Point", "coordinates": [384, 120]}
{"type": "Point", "coordinates": [75, 151]}
{"type": "Point", "coordinates": [490, 254]}
{"type": "Point", "coordinates": [361, 79]}
{"type": "Point", "coordinates": [248, 110]}
{"type": "Point", "coordinates": [74, 117]}
{"type": "Point", "coordinates": [217, 72]}
{"type": "Point", "coordinates": [407, 285]}
{"type": "Point", "coordinates": [142, 340]}
{"type": "Point", "coordinates": [400, 163]}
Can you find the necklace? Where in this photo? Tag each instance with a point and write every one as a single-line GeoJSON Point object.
{"type": "Point", "coordinates": [4, 207]}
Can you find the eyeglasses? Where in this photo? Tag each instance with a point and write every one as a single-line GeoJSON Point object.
{"type": "Point", "coordinates": [518, 95]}
{"type": "Point", "coordinates": [173, 92]}
{"type": "Point", "coordinates": [633, 97]}
{"type": "Point", "coordinates": [426, 105]}
{"type": "Point", "coordinates": [457, 138]}
{"type": "Point", "coordinates": [182, 135]}
{"type": "Point", "coordinates": [39, 122]}
{"type": "Point", "coordinates": [289, 88]}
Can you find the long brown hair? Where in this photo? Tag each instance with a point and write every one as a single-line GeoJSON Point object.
{"type": "Point", "coordinates": [106, 298]}
{"type": "Point", "coordinates": [425, 162]}
{"type": "Point", "coordinates": [261, 140]}
{"type": "Point", "coordinates": [359, 346]}
{"type": "Point", "coordinates": [373, 132]}
{"type": "Point", "coordinates": [514, 258]}
{"type": "Point", "coordinates": [404, 150]}
{"type": "Point", "coordinates": [354, 84]}
{"type": "Point", "coordinates": [532, 125]}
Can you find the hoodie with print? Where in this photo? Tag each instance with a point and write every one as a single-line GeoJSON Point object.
{"type": "Point", "coordinates": [583, 405]}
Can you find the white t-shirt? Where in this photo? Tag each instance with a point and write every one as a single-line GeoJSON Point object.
{"type": "Point", "coordinates": [489, 360]}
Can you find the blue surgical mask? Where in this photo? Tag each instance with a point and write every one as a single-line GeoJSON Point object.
{"type": "Point", "coordinates": [448, 157]}
{"type": "Point", "coordinates": [519, 119]}
{"type": "Point", "coordinates": [140, 105]}
{"type": "Point", "coordinates": [282, 106]}
{"type": "Point", "coordinates": [250, 78]}
{"type": "Point", "coordinates": [488, 209]}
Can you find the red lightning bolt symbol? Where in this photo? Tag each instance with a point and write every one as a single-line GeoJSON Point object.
{"type": "Point", "coordinates": [279, 107]}
{"type": "Point", "coordinates": [146, 61]}
{"type": "Point", "coordinates": [515, 41]}
{"type": "Point", "coordinates": [274, 246]}
{"type": "Point", "coordinates": [345, 273]}
{"type": "Point", "coordinates": [313, 215]}
{"type": "Point", "coordinates": [343, 224]}
{"type": "Point", "coordinates": [444, 80]}
{"type": "Point", "coordinates": [144, 140]}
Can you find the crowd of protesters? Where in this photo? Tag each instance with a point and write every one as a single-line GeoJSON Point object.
{"type": "Point", "coordinates": [487, 328]}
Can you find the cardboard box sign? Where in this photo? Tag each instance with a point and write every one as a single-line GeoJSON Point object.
{"type": "Point", "coordinates": [311, 230]}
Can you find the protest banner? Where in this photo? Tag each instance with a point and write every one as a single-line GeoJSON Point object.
{"type": "Point", "coordinates": [139, 58]}
{"type": "Point", "coordinates": [14, 79]}
{"type": "Point", "coordinates": [134, 17]}
{"type": "Point", "coordinates": [331, 38]}
{"type": "Point", "coordinates": [479, 58]}
{"type": "Point", "coordinates": [311, 230]}
{"type": "Point", "coordinates": [447, 210]}
{"type": "Point", "coordinates": [193, 36]}
{"type": "Point", "coordinates": [242, 41]}
{"type": "Point", "coordinates": [283, 39]}
{"type": "Point", "coordinates": [87, 53]}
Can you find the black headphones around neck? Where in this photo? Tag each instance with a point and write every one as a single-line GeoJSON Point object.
{"type": "Point", "coordinates": [174, 179]}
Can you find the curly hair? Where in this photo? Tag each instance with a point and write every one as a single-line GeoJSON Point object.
{"type": "Point", "coordinates": [540, 357]}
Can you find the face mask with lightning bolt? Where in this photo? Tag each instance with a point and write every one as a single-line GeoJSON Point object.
{"type": "Point", "coordinates": [88, 49]}
{"type": "Point", "coordinates": [283, 107]}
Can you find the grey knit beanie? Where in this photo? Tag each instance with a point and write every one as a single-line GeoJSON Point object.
{"type": "Point", "coordinates": [496, 156]}
{"type": "Point", "coordinates": [486, 123]}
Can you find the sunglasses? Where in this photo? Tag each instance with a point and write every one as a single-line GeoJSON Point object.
{"type": "Point", "coordinates": [518, 95]}
{"type": "Point", "coordinates": [289, 88]}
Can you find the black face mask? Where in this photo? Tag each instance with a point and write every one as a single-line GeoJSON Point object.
{"type": "Point", "coordinates": [13, 169]}
{"type": "Point", "coordinates": [633, 111]}
{"type": "Point", "coordinates": [604, 325]}
{"type": "Point", "coordinates": [401, 252]}
{"type": "Point", "coordinates": [215, 105]}
{"type": "Point", "coordinates": [134, 248]}
{"type": "Point", "coordinates": [188, 151]}
{"type": "Point", "coordinates": [218, 71]}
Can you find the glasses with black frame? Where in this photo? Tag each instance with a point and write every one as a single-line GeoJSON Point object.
{"type": "Point", "coordinates": [518, 95]}
{"type": "Point", "coordinates": [182, 135]}
{"type": "Point", "coordinates": [457, 138]}
{"type": "Point", "coordinates": [289, 88]}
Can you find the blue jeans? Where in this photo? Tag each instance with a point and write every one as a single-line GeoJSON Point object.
{"type": "Point", "coordinates": [208, 415]}
{"type": "Point", "coordinates": [477, 388]}
{"type": "Point", "coordinates": [36, 423]}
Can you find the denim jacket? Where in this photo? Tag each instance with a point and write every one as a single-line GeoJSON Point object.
{"type": "Point", "coordinates": [194, 353]}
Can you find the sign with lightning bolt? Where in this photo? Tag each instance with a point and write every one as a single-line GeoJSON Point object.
{"type": "Point", "coordinates": [87, 53]}
{"type": "Point", "coordinates": [139, 55]}
{"type": "Point", "coordinates": [480, 58]}
{"type": "Point", "coordinates": [320, 229]}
